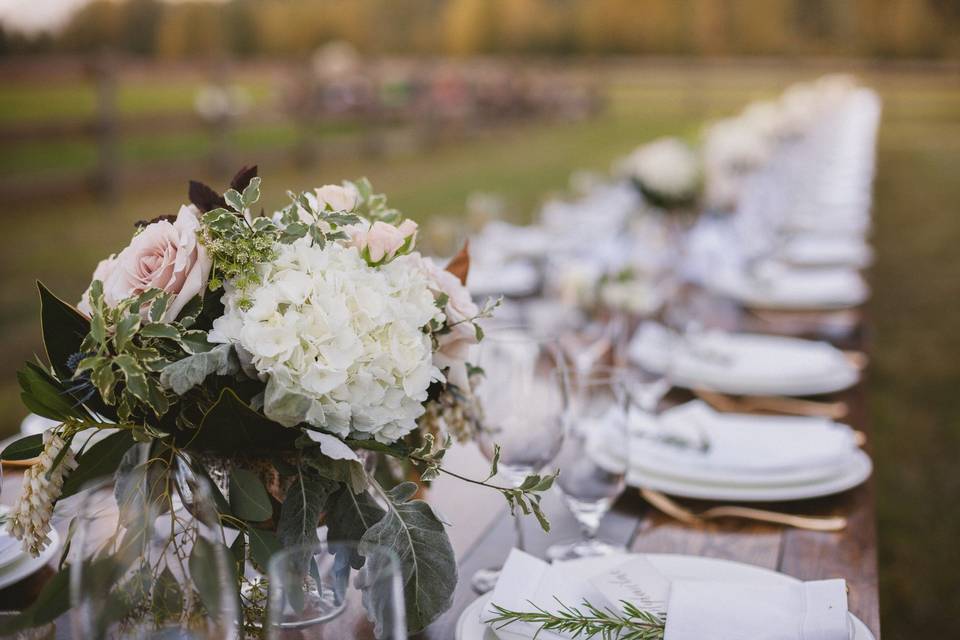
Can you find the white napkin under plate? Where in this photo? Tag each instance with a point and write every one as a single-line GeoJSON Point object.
{"type": "Point", "coordinates": [716, 610]}
{"type": "Point", "coordinates": [695, 443]}
{"type": "Point", "coordinates": [743, 363]}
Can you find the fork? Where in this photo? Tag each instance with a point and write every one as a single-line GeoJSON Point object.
{"type": "Point", "coordinates": [674, 510]}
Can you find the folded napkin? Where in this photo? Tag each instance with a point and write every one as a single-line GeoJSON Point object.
{"type": "Point", "coordinates": [515, 278]}
{"type": "Point", "coordinates": [741, 363]}
{"type": "Point", "coordinates": [716, 610]}
{"type": "Point", "coordinates": [694, 609]}
{"type": "Point", "coordinates": [696, 443]}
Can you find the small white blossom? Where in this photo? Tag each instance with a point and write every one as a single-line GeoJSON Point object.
{"type": "Point", "coordinates": [29, 521]}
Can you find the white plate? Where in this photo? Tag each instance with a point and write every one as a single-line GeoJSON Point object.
{"type": "Point", "coordinates": [859, 470]}
{"type": "Point", "coordinates": [469, 626]}
{"type": "Point", "coordinates": [764, 365]}
{"type": "Point", "coordinates": [27, 565]}
{"type": "Point", "coordinates": [804, 289]}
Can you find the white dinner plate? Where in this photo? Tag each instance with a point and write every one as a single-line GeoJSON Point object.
{"type": "Point", "coordinates": [801, 289]}
{"type": "Point", "coordinates": [855, 474]}
{"type": "Point", "coordinates": [760, 365]}
{"type": "Point", "coordinates": [27, 565]}
{"type": "Point", "coordinates": [470, 627]}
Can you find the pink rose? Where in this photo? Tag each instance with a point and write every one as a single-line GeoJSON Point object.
{"type": "Point", "coordinates": [163, 256]}
{"type": "Point", "coordinates": [460, 310]}
{"type": "Point", "coordinates": [382, 241]}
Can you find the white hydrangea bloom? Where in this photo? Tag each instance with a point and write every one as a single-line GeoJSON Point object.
{"type": "Point", "coordinates": [340, 344]}
{"type": "Point", "coordinates": [667, 167]}
{"type": "Point", "coordinates": [29, 521]}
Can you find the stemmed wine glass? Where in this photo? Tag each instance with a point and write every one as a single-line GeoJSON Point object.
{"type": "Point", "coordinates": [335, 590]}
{"type": "Point", "coordinates": [595, 456]}
{"type": "Point", "coordinates": [148, 568]}
{"type": "Point", "coordinates": [522, 399]}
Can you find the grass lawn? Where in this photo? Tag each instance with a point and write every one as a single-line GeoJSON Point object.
{"type": "Point", "coordinates": [915, 309]}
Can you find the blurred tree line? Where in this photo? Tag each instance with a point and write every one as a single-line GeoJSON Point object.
{"type": "Point", "coordinates": [277, 28]}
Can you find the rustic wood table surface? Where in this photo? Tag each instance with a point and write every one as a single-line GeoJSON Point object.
{"type": "Point", "coordinates": [482, 532]}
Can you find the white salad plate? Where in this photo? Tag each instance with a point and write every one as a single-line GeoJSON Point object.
{"type": "Point", "coordinates": [471, 627]}
{"type": "Point", "coordinates": [26, 565]}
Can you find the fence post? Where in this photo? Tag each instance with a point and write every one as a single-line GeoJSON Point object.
{"type": "Point", "coordinates": [106, 127]}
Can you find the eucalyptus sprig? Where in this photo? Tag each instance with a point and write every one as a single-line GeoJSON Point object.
{"type": "Point", "coordinates": [587, 621]}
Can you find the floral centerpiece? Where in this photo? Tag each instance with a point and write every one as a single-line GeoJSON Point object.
{"type": "Point", "coordinates": [273, 354]}
{"type": "Point", "coordinates": [666, 172]}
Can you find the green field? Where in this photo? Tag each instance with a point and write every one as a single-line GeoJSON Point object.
{"type": "Point", "coordinates": [914, 312]}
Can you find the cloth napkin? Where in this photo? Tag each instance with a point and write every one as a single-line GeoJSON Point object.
{"type": "Point", "coordinates": [695, 442]}
{"type": "Point", "coordinates": [716, 359]}
{"type": "Point", "coordinates": [695, 609]}
{"type": "Point", "coordinates": [779, 286]}
{"type": "Point", "coordinates": [701, 610]}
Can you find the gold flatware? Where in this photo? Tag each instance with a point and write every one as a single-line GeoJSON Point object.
{"type": "Point", "coordinates": [858, 359]}
{"type": "Point", "coordinates": [674, 510]}
{"type": "Point", "coordinates": [776, 404]}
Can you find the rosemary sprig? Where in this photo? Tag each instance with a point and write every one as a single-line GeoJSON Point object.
{"type": "Point", "coordinates": [588, 621]}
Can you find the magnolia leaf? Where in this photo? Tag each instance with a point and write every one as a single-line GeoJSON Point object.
{"type": "Point", "coordinates": [101, 459]}
{"type": "Point", "coordinates": [24, 448]}
{"type": "Point", "coordinates": [459, 265]}
{"type": "Point", "coordinates": [248, 497]}
{"type": "Point", "coordinates": [412, 530]}
{"type": "Point", "coordinates": [47, 396]}
{"type": "Point", "coordinates": [244, 177]}
{"type": "Point", "coordinates": [203, 197]}
{"type": "Point", "coordinates": [231, 425]}
{"type": "Point", "coordinates": [183, 375]}
{"type": "Point", "coordinates": [63, 329]}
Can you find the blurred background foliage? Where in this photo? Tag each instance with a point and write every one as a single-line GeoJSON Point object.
{"type": "Point", "coordinates": [250, 28]}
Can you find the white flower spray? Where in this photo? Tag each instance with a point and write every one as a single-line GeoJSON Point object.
{"type": "Point", "coordinates": [29, 521]}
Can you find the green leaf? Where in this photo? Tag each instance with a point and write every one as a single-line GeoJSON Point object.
{"type": "Point", "coordinates": [231, 425]}
{"type": "Point", "coordinates": [183, 375]}
{"type": "Point", "coordinates": [158, 330]}
{"type": "Point", "coordinates": [300, 513]}
{"type": "Point", "coordinates": [47, 396]}
{"type": "Point", "coordinates": [24, 448]}
{"type": "Point", "coordinates": [252, 192]}
{"type": "Point", "coordinates": [195, 342]}
{"type": "Point", "coordinates": [127, 326]}
{"type": "Point", "coordinates": [53, 601]}
{"type": "Point", "coordinates": [206, 570]}
{"type": "Point", "coordinates": [100, 460]}
{"type": "Point", "coordinates": [263, 544]}
{"type": "Point", "coordinates": [234, 199]}
{"type": "Point", "coordinates": [349, 516]}
{"type": "Point", "coordinates": [248, 497]}
{"type": "Point", "coordinates": [167, 595]}
{"type": "Point", "coordinates": [429, 566]}
{"type": "Point", "coordinates": [348, 472]}
{"type": "Point", "coordinates": [63, 329]}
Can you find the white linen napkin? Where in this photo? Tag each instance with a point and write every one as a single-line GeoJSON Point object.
{"type": "Point", "coordinates": [793, 288]}
{"type": "Point", "coordinates": [701, 610]}
{"type": "Point", "coordinates": [696, 443]}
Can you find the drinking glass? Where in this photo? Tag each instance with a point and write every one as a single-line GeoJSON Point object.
{"type": "Point", "coordinates": [167, 574]}
{"type": "Point", "coordinates": [335, 590]}
{"type": "Point", "coordinates": [522, 400]}
{"type": "Point", "coordinates": [594, 459]}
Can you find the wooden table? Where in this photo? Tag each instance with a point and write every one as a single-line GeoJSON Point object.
{"type": "Point", "coordinates": [849, 554]}
{"type": "Point", "coordinates": [482, 532]}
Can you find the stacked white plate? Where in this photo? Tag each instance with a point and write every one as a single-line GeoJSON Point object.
{"type": "Point", "coordinates": [740, 363]}
{"type": "Point", "coordinates": [471, 624]}
{"type": "Point", "coordinates": [16, 564]}
{"type": "Point", "coordinates": [791, 288]}
{"type": "Point", "coordinates": [693, 451]}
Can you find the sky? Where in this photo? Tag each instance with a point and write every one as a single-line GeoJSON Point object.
{"type": "Point", "coordinates": [32, 16]}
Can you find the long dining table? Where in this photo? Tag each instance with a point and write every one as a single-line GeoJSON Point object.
{"type": "Point", "coordinates": [482, 531]}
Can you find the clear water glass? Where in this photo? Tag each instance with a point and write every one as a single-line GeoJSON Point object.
{"type": "Point", "coordinates": [595, 457]}
{"type": "Point", "coordinates": [522, 395]}
{"type": "Point", "coordinates": [335, 590]}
